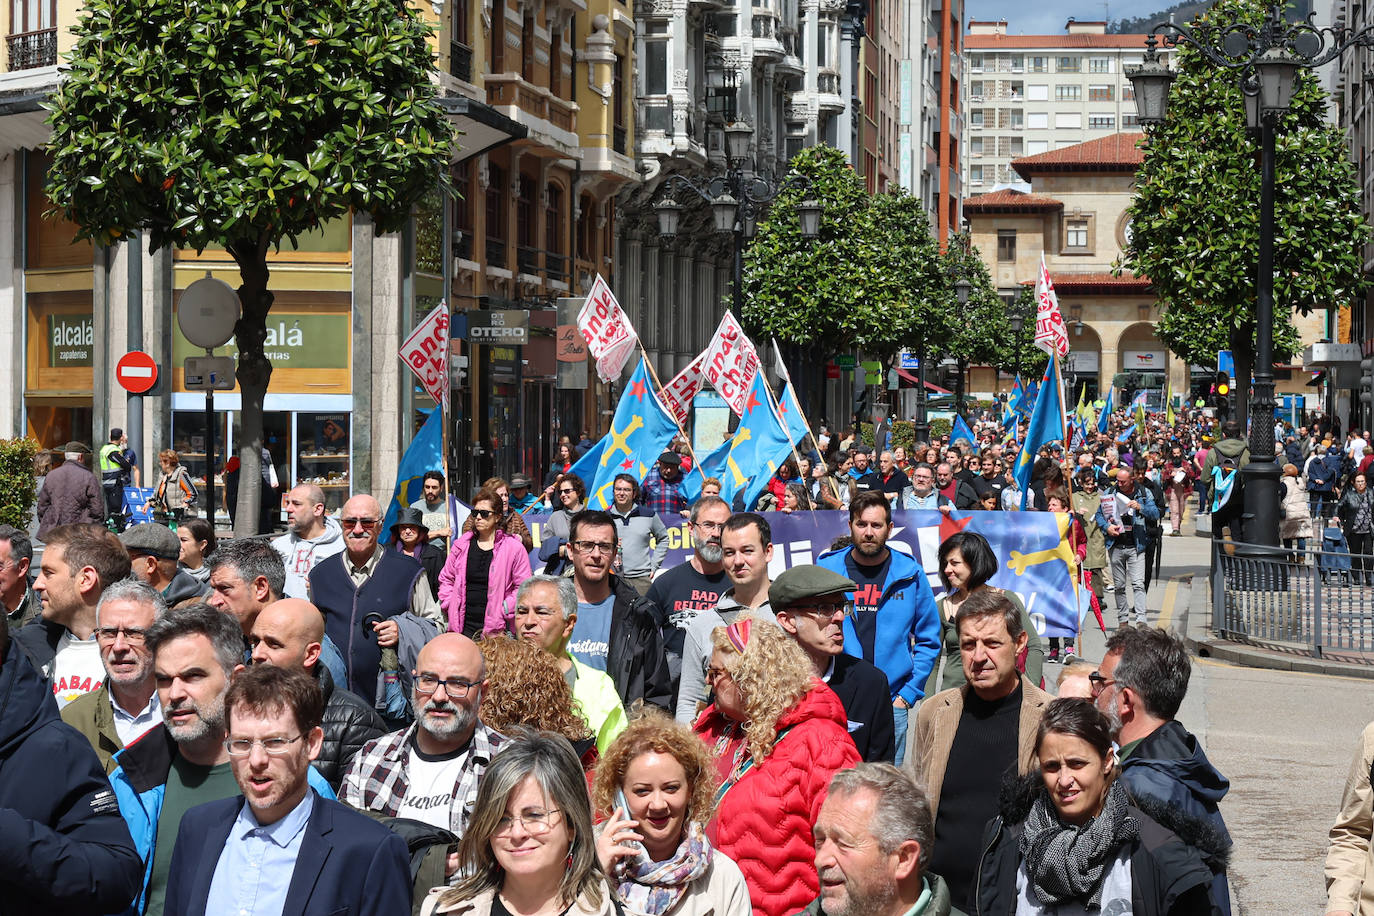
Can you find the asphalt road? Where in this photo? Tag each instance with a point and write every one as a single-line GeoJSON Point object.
{"type": "Point", "coordinates": [1284, 739]}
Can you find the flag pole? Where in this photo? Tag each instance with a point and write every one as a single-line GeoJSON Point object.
{"type": "Point", "coordinates": [696, 465]}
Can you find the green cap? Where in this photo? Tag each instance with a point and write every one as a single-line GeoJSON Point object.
{"type": "Point", "coordinates": [806, 582]}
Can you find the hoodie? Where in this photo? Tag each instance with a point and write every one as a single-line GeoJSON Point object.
{"type": "Point", "coordinates": [183, 586]}
{"type": "Point", "coordinates": [1235, 449]}
{"type": "Point", "coordinates": [1172, 780]}
{"type": "Point", "coordinates": [301, 555]}
{"type": "Point", "coordinates": [66, 849]}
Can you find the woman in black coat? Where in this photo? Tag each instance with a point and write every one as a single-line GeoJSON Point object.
{"type": "Point", "coordinates": [410, 536]}
{"type": "Point", "coordinates": [1070, 839]}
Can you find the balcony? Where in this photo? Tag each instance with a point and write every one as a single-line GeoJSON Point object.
{"type": "Point", "coordinates": [765, 31]}
{"type": "Point", "coordinates": [496, 252]}
{"type": "Point", "coordinates": [460, 61]}
{"type": "Point", "coordinates": [31, 50]}
{"type": "Point", "coordinates": [527, 260]}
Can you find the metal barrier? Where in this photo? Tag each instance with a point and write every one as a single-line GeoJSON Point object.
{"type": "Point", "coordinates": [1312, 602]}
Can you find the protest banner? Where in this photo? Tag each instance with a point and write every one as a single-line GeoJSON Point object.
{"type": "Point", "coordinates": [425, 351]}
{"type": "Point", "coordinates": [606, 328]}
{"type": "Point", "coordinates": [731, 363]}
{"type": "Point", "coordinates": [677, 394]}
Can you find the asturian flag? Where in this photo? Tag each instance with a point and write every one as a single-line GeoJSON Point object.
{"type": "Point", "coordinates": [959, 430]}
{"type": "Point", "coordinates": [640, 430]}
{"type": "Point", "coordinates": [1046, 426]}
{"type": "Point", "coordinates": [425, 453]}
{"type": "Point", "coordinates": [789, 411]}
{"type": "Point", "coordinates": [1105, 416]}
{"type": "Point", "coordinates": [744, 462]}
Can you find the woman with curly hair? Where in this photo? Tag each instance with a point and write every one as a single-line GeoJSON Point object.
{"type": "Point", "coordinates": [526, 689]}
{"type": "Point", "coordinates": [778, 735]}
{"type": "Point", "coordinates": [657, 783]}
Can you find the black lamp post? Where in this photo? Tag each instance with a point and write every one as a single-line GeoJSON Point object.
{"type": "Point", "coordinates": [1266, 59]}
{"type": "Point", "coordinates": [737, 199]}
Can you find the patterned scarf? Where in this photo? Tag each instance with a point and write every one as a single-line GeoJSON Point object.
{"type": "Point", "coordinates": [653, 887]}
{"type": "Point", "coordinates": [1066, 863]}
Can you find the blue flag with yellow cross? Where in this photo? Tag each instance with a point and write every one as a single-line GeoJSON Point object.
{"type": "Point", "coordinates": [640, 431]}
{"type": "Point", "coordinates": [744, 462]}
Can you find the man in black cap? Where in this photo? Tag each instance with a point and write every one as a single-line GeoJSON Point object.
{"type": "Point", "coordinates": [661, 491]}
{"type": "Point", "coordinates": [153, 552]}
{"type": "Point", "coordinates": [118, 467]}
{"type": "Point", "coordinates": [811, 604]}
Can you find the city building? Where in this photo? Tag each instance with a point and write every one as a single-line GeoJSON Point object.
{"type": "Point", "coordinates": [930, 120]}
{"type": "Point", "coordinates": [1075, 215]}
{"type": "Point", "coordinates": [1033, 94]}
{"type": "Point", "coordinates": [541, 94]}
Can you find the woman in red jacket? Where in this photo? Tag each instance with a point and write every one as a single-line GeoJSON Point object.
{"type": "Point", "coordinates": [779, 735]}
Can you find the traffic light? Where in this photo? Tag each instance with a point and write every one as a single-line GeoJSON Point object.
{"type": "Point", "coordinates": [861, 401]}
{"type": "Point", "coordinates": [1222, 390]}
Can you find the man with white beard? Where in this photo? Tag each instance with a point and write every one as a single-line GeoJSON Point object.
{"type": "Point", "coordinates": [430, 771]}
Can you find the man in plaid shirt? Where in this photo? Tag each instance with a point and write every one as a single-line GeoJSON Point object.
{"type": "Point", "coordinates": [661, 491]}
{"type": "Point", "coordinates": [429, 772]}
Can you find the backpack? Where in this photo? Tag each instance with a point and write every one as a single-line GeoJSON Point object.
{"type": "Point", "coordinates": [1225, 483]}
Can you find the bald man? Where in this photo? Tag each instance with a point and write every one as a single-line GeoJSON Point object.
{"type": "Point", "coordinates": [366, 580]}
{"type": "Point", "coordinates": [430, 771]}
{"type": "Point", "coordinates": [290, 634]}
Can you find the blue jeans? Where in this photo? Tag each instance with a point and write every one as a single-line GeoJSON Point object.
{"type": "Point", "coordinates": [899, 731]}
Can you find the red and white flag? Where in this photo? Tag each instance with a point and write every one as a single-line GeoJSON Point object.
{"type": "Point", "coordinates": [1050, 333]}
{"type": "Point", "coordinates": [606, 328]}
{"type": "Point", "coordinates": [425, 351]}
{"type": "Point", "coordinates": [731, 362]}
{"type": "Point", "coordinates": [677, 395]}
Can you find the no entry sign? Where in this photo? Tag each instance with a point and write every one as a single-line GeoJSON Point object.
{"type": "Point", "coordinates": [136, 372]}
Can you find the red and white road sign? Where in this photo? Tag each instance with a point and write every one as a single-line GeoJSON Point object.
{"type": "Point", "coordinates": [136, 372]}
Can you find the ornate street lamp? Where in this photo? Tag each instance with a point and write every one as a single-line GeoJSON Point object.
{"type": "Point", "coordinates": [1267, 60]}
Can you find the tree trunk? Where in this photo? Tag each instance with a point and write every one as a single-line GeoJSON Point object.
{"type": "Point", "coordinates": [1243, 354]}
{"type": "Point", "coordinates": [253, 373]}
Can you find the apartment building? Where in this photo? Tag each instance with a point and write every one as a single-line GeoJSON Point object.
{"type": "Point", "coordinates": [1031, 94]}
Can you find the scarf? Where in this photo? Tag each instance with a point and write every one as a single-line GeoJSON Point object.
{"type": "Point", "coordinates": [1066, 863]}
{"type": "Point", "coordinates": [653, 887]}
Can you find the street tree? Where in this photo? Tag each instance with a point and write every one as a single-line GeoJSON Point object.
{"type": "Point", "coordinates": [972, 336]}
{"type": "Point", "coordinates": [238, 125]}
{"type": "Point", "coordinates": [1195, 223]}
{"type": "Point", "coordinates": [1016, 350]}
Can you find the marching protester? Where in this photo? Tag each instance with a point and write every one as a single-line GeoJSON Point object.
{"type": "Point", "coordinates": [484, 568]}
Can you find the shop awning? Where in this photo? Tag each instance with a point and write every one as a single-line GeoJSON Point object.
{"type": "Point", "coordinates": [930, 386]}
{"type": "Point", "coordinates": [483, 127]}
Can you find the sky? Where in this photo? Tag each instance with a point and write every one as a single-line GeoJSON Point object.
{"type": "Point", "coordinates": [1048, 16]}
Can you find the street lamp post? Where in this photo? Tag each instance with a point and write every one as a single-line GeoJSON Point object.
{"type": "Point", "coordinates": [737, 199]}
{"type": "Point", "coordinates": [1266, 59]}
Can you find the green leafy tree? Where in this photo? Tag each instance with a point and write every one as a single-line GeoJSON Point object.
{"type": "Point", "coordinates": [1195, 222]}
{"type": "Point", "coordinates": [17, 484]}
{"type": "Point", "coordinates": [1017, 352]}
{"type": "Point", "coordinates": [240, 124]}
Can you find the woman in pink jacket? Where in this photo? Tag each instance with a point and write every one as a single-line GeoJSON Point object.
{"type": "Point", "coordinates": [482, 573]}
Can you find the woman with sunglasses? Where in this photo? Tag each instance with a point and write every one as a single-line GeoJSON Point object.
{"type": "Point", "coordinates": [1070, 840]}
{"type": "Point", "coordinates": [529, 848]}
{"type": "Point", "coordinates": [570, 496]}
{"type": "Point", "coordinates": [484, 569]}
{"type": "Point", "coordinates": [778, 735]}
{"type": "Point", "coordinates": [657, 787]}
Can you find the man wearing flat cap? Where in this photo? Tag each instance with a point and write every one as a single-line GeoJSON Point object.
{"type": "Point", "coordinates": [811, 604]}
{"type": "Point", "coordinates": [153, 552]}
{"type": "Point", "coordinates": [71, 495]}
{"type": "Point", "coordinates": [661, 491]}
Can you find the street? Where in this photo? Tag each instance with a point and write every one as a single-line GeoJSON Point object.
{"type": "Point", "coordinates": [1284, 739]}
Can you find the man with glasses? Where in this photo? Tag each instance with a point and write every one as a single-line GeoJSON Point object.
{"type": "Point", "coordinates": [430, 771]}
{"type": "Point", "coordinates": [922, 493]}
{"type": "Point", "coordinates": [1140, 685]}
{"type": "Point", "coordinates": [690, 588]}
{"type": "Point", "coordinates": [616, 631]}
{"type": "Point", "coordinates": [352, 586]}
{"type": "Point", "coordinates": [280, 847]}
{"type": "Point", "coordinates": [636, 527]}
{"type": "Point", "coordinates": [125, 706]}
{"type": "Point", "coordinates": [183, 762]}
{"type": "Point", "coordinates": [811, 605]}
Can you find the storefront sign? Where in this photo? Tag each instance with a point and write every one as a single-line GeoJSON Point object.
{"type": "Point", "coordinates": [302, 340]}
{"type": "Point", "coordinates": [499, 326]}
{"type": "Point", "coordinates": [71, 340]}
{"type": "Point", "coordinates": [571, 347]}
{"type": "Point", "coordinates": [1143, 359]}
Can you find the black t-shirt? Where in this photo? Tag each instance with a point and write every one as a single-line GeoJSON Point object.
{"type": "Point", "coordinates": [867, 597]}
{"type": "Point", "coordinates": [475, 600]}
{"type": "Point", "coordinates": [680, 594]}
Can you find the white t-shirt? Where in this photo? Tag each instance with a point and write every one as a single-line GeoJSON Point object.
{"type": "Point", "coordinates": [429, 797]}
{"type": "Point", "coordinates": [77, 668]}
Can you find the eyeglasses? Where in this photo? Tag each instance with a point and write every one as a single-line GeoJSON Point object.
{"type": "Point", "coordinates": [712, 675]}
{"type": "Point", "coordinates": [367, 524]}
{"type": "Point", "coordinates": [242, 747]}
{"type": "Point", "coordinates": [710, 526]}
{"type": "Point", "coordinates": [482, 513]}
{"type": "Point", "coordinates": [825, 610]}
{"type": "Point", "coordinates": [455, 687]}
{"type": "Point", "coordinates": [134, 635]}
{"type": "Point", "coordinates": [1097, 683]}
{"type": "Point", "coordinates": [593, 547]}
{"type": "Point", "coordinates": [535, 823]}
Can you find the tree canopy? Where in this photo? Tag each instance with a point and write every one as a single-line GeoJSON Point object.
{"type": "Point", "coordinates": [1195, 219]}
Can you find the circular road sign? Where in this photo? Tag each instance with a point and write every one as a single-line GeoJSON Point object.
{"type": "Point", "coordinates": [136, 372]}
{"type": "Point", "coordinates": [207, 311]}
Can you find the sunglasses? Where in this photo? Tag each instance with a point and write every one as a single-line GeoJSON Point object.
{"type": "Point", "coordinates": [482, 513]}
{"type": "Point", "coordinates": [367, 524]}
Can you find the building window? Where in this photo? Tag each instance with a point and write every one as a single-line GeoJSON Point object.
{"type": "Point", "coordinates": [553, 235]}
{"type": "Point", "coordinates": [1130, 120]}
{"type": "Point", "coordinates": [656, 67]}
{"type": "Point", "coordinates": [1038, 93]}
{"type": "Point", "coordinates": [1101, 93]}
{"type": "Point", "coordinates": [825, 41]}
{"type": "Point", "coordinates": [1070, 65]}
{"type": "Point", "coordinates": [1128, 93]}
{"type": "Point", "coordinates": [1038, 120]}
{"type": "Point", "coordinates": [1039, 65]}
{"type": "Point", "coordinates": [975, 174]}
{"type": "Point", "coordinates": [975, 117]}
{"type": "Point", "coordinates": [497, 48]}
{"type": "Point", "coordinates": [975, 146]}
{"type": "Point", "coordinates": [556, 65]}
{"type": "Point", "coordinates": [975, 63]}
{"type": "Point", "coordinates": [1036, 147]}
{"type": "Point", "coordinates": [527, 50]}
{"type": "Point", "coordinates": [1071, 120]}
{"type": "Point", "coordinates": [1102, 122]}
{"type": "Point", "coordinates": [496, 215]}
{"type": "Point", "coordinates": [1068, 92]}
{"type": "Point", "coordinates": [1018, 118]}
{"type": "Point", "coordinates": [1077, 229]}
{"type": "Point", "coordinates": [1018, 63]}
{"type": "Point", "coordinates": [1099, 65]}
{"type": "Point", "coordinates": [1006, 244]}
{"type": "Point", "coordinates": [975, 90]}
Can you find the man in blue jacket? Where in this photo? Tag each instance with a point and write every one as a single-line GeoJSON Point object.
{"type": "Point", "coordinates": [894, 625]}
{"type": "Point", "coordinates": [63, 847]}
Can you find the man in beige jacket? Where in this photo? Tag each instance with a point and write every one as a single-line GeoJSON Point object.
{"type": "Point", "coordinates": [968, 737]}
{"type": "Point", "coordinates": [1350, 857]}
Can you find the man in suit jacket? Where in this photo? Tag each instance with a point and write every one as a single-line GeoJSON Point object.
{"type": "Point", "coordinates": [280, 848]}
{"type": "Point", "coordinates": [969, 737]}
{"type": "Point", "coordinates": [810, 604]}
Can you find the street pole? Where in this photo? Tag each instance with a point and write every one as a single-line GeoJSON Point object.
{"type": "Point", "coordinates": [1261, 475]}
{"type": "Point", "coordinates": [921, 428]}
{"type": "Point", "coordinates": [737, 300]}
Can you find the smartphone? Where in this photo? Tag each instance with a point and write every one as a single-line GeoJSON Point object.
{"type": "Point", "coordinates": [625, 807]}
